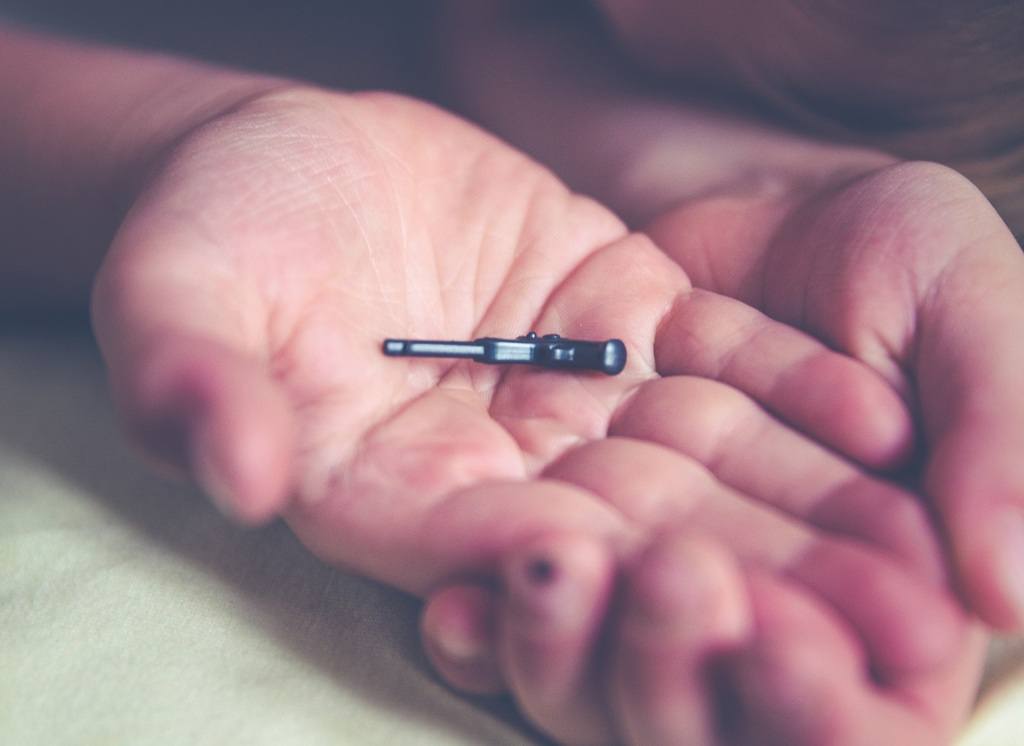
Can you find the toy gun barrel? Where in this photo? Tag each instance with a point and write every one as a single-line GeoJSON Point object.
{"type": "Point", "coordinates": [549, 351]}
{"type": "Point", "coordinates": [428, 348]}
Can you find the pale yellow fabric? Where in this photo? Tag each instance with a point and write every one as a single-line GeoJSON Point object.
{"type": "Point", "coordinates": [130, 613]}
{"type": "Point", "coordinates": [998, 718]}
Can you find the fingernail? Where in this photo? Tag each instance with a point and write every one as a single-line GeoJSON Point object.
{"type": "Point", "coordinates": [458, 645]}
{"type": "Point", "coordinates": [1011, 560]}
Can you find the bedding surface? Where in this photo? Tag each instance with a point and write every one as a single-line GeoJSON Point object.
{"type": "Point", "coordinates": [132, 613]}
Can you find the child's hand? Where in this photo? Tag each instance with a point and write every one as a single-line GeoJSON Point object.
{"type": "Point", "coordinates": [903, 266]}
{"type": "Point", "coordinates": [285, 234]}
{"type": "Point", "coordinates": [731, 623]}
{"type": "Point", "coordinates": [913, 272]}
{"type": "Point", "coordinates": [777, 643]}
{"type": "Point", "coordinates": [908, 269]}
{"type": "Point", "coordinates": [242, 308]}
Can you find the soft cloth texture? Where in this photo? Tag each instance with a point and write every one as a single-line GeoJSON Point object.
{"type": "Point", "coordinates": [131, 613]}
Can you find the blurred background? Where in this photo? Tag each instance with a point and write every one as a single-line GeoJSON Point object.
{"type": "Point", "coordinates": [380, 41]}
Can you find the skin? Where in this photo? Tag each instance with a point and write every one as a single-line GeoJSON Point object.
{"type": "Point", "coordinates": [240, 311]}
{"type": "Point", "coordinates": [964, 263]}
{"type": "Point", "coordinates": [239, 346]}
{"type": "Point", "coordinates": [890, 253]}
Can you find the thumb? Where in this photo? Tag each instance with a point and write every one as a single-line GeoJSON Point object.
{"type": "Point", "coordinates": [968, 368]}
{"type": "Point", "coordinates": [191, 393]}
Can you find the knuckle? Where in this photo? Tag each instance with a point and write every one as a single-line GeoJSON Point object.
{"type": "Point", "coordinates": [688, 413]}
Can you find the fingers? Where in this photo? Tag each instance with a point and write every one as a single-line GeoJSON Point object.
{"type": "Point", "coordinates": [758, 662]}
{"type": "Point", "coordinates": [751, 452]}
{"type": "Point", "coordinates": [620, 291]}
{"type": "Point", "coordinates": [420, 545]}
{"type": "Point", "coordinates": [458, 629]}
{"type": "Point", "coordinates": [557, 593]}
{"type": "Point", "coordinates": [799, 683]}
{"type": "Point", "coordinates": [827, 395]}
{"type": "Point", "coordinates": [699, 652]}
{"type": "Point", "coordinates": [654, 487]}
{"type": "Point", "coordinates": [740, 443]}
{"type": "Point", "coordinates": [866, 587]}
{"type": "Point", "coordinates": [968, 366]}
{"type": "Point", "coordinates": [685, 605]}
{"type": "Point", "coordinates": [873, 594]}
{"type": "Point", "coordinates": [920, 279]}
{"type": "Point", "coordinates": [793, 684]}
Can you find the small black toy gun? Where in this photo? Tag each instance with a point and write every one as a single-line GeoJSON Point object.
{"type": "Point", "coordinates": [549, 351]}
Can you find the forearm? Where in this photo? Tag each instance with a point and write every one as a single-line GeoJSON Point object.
{"type": "Point", "coordinates": [80, 127]}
